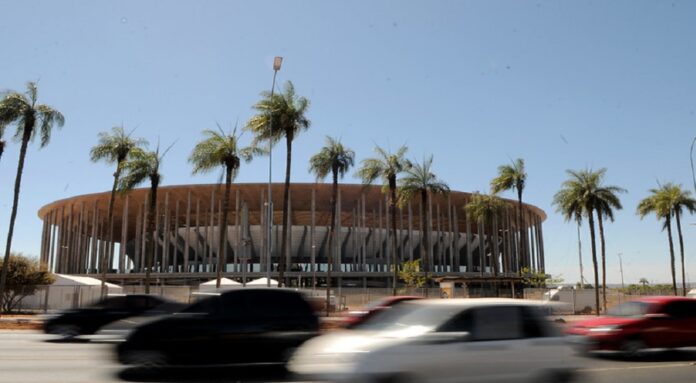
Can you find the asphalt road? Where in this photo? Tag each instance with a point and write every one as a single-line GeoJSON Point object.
{"type": "Point", "coordinates": [31, 357]}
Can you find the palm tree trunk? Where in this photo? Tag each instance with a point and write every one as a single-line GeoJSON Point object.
{"type": "Point", "coordinates": [425, 242]}
{"type": "Point", "coordinates": [329, 261]}
{"type": "Point", "coordinates": [223, 226]}
{"type": "Point", "coordinates": [600, 221]}
{"type": "Point", "coordinates": [671, 253]}
{"type": "Point", "coordinates": [150, 248]}
{"type": "Point", "coordinates": [582, 277]}
{"type": "Point", "coordinates": [392, 207]}
{"type": "Point", "coordinates": [28, 128]}
{"type": "Point", "coordinates": [681, 250]}
{"type": "Point", "coordinates": [594, 258]}
{"type": "Point", "coordinates": [286, 200]}
{"type": "Point", "coordinates": [522, 243]}
{"type": "Point", "coordinates": [109, 226]}
{"type": "Point", "coordinates": [2, 148]}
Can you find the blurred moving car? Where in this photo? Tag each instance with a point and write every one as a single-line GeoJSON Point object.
{"type": "Point", "coordinates": [238, 327]}
{"type": "Point", "coordinates": [449, 340]}
{"type": "Point", "coordinates": [647, 322]}
{"type": "Point", "coordinates": [88, 320]}
{"type": "Point", "coordinates": [354, 318]}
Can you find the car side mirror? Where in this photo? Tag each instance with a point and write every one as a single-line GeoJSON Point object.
{"type": "Point", "coordinates": [657, 316]}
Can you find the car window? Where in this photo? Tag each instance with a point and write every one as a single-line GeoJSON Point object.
{"type": "Point", "coordinates": [462, 322]}
{"type": "Point", "coordinates": [204, 306]}
{"type": "Point", "coordinates": [681, 309]}
{"type": "Point", "coordinates": [268, 304]}
{"type": "Point", "coordinates": [630, 309]}
{"type": "Point", "coordinates": [497, 323]}
{"type": "Point", "coordinates": [137, 302]}
{"type": "Point", "coordinates": [407, 314]}
{"type": "Point", "coordinates": [113, 303]}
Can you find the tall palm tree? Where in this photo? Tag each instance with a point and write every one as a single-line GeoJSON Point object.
{"type": "Point", "coordinates": [220, 149]}
{"type": "Point", "coordinates": [2, 142]}
{"type": "Point", "coordinates": [485, 209]}
{"type": "Point", "coordinates": [141, 166]}
{"type": "Point", "coordinates": [282, 115]}
{"type": "Point", "coordinates": [334, 159]}
{"type": "Point", "coordinates": [577, 196]}
{"type": "Point", "coordinates": [513, 177]}
{"type": "Point", "coordinates": [113, 148]}
{"type": "Point", "coordinates": [30, 119]}
{"type": "Point", "coordinates": [680, 199]}
{"type": "Point", "coordinates": [658, 203]}
{"type": "Point", "coordinates": [420, 179]}
{"type": "Point", "coordinates": [387, 166]}
{"type": "Point", "coordinates": [573, 211]}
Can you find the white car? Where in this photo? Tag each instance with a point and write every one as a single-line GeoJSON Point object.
{"type": "Point", "coordinates": [448, 340]}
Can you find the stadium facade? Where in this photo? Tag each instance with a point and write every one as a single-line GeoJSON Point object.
{"type": "Point", "coordinates": [187, 232]}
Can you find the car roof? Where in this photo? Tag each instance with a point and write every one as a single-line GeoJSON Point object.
{"type": "Point", "coordinates": [473, 302]}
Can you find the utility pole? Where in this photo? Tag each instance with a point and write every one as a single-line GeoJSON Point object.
{"type": "Point", "coordinates": [621, 269]}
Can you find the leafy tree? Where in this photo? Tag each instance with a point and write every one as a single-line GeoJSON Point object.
{"type": "Point", "coordinates": [410, 273]}
{"type": "Point", "coordinates": [666, 201]}
{"type": "Point", "coordinates": [24, 274]}
{"type": "Point", "coordinates": [513, 177]}
{"type": "Point", "coordinates": [485, 209]}
{"type": "Point", "coordinates": [281, 116]}
{"type": "Point", "coordinates": [644, 282]}
{"type": "Point", "coordinates": [141, 166]}
{"type": "Point", "coordinates": [584, 194]}
{"type": "Point", "coordinates": [113, 148]}
{"type": "Point", "coordinates": [419, 179]}
{"type": "Point", "coordinates": [386, 166]}
{"type": "Point", "coordinates": [30, 119]}
{"type": "Point", "coordinates": [220, 149]}
{"type": "Point", "coordinates": [334, 159]}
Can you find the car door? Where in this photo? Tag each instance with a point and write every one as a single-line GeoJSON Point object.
{"type": "Point", "coordinates": [678, 325]}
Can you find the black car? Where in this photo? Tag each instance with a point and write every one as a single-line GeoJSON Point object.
{"type": "Point", "coordinates": [89, 320]}
{"type": "Point", "coordinates": [244, 327]}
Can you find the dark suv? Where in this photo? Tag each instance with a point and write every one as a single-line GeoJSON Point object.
{"type": "Point", "coordinates": [239, 327]}
{"type": "Point", "coordinates": [88, 320]}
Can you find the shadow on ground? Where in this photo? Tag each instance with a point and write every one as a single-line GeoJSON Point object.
{"type": "Point", "coordinates": [202, 374]}
{"type": "Point", "coordinates": [653, 356]}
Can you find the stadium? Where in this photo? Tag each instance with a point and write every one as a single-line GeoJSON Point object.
{"type": "Point", "coordinates": [186, 251]}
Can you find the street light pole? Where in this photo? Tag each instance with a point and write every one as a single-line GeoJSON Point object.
{"type": "Point", "coordinates": [277, 61]}
{"type": "Point", "coordinates": [621, 269]}
{"type": "Point", "coordinates": [691, 156]}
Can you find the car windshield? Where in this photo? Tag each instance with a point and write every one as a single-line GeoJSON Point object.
{"type": "Point", "coordinates": [403, 316]}
{"type": "Point", "coordinates": [629, 309]}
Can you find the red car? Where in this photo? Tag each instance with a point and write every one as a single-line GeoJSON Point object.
{"type": "Point", "coordinates": [631, 327]}
{"type": "Point", "coordinates": [354, 318]}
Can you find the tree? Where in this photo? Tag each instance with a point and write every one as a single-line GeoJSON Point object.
{"type": "Point", "coordinates": [410, 273]}
{"type": "Point", "coordinates": [24, 274]}
{"type": "Point", "coordinates": [220, 149]}
{"type": "Point", "coordinates": [485, 209]}
{"type": "Point", "coordinates": [112, 148]}
{"type": "Point", "coordinates": [282, 115]}
{"type": "Point", "coordinates": [570, 209]}
{"type": "Point", "coordinates": [2, 142]}
{"type": "Point", "coordinates": [334, 159]}
{"type": "Point", "coordinates": [30, 119]}
{"type": "Point", "coordinates": [387, 166]}
{"type": "Point", "coordinates": [680, 199]}
{"type": "Point", "coordinates": [420, 179]}
{"type": "Point", "coordinates": [513, 177]}
{"type": "Point", "coordinates": [644, 282]}
{"type": "Point", "coordinates": [663, 202]}
{"type": "Point", "coordinates": [583, 193]}
{"type": "Point", "coordinates": [141, 166]}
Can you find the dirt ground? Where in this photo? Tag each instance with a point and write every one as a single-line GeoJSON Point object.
{"type": "Point", "coordinates": [19, 322]}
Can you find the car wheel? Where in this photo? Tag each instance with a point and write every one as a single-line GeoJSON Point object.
{"type": "Point", "coordinates": [633, 348]}
{"type": "Point", "coordinates": [66, 332]}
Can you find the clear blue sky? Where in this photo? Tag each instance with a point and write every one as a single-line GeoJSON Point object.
{"type": "Point", "coordinates": [562, 84]}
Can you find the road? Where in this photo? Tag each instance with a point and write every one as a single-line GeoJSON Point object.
{"type": "Point", "coordinates": [31, 357]}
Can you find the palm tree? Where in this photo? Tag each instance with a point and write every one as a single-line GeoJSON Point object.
{"type": "Point", "coordinates": [680, 199]}
{"type": "Point", "coordinates": [644, 282]}
{"type": "Point", "coordinates": [2, 142]}
{"type": "Point", "coordinates": [577, 196]}
{"type": "Point", "coordinates": [334, 159]}
{"type": "Point", "coordinates": [670, 199]}
{"type": "Point", "coordinates": [420, 179]}
{"type": "Point", "coordinates": [658, 202]}
{"type": "Point", "coordinates": [30, 119]}
{"type": "Point", "coordinates": [220, 149]}
{"type": "Point", "coordinates": [282, 115]}
{"type": "Point", "coordinates": [113, 148]}
{"type": "Point", "coordinates": [573, 211]}
{"type": "Point", "coordinates": [485, 209]}
{"type": "Point", "coordinates": [513, 177]}
{"type": "Point", "coordinates": [606, 201]}
{"type": "Point", "coordinates": [140, 166]}
{"type": "Point", "coordinates": [387, 166]}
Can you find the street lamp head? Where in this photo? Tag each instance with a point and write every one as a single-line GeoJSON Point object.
{"type": "Point", "coordinates": [277, 61]}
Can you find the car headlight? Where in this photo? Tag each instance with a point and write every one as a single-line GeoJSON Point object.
{"type": "Point", "coordinates": [604, 329]}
